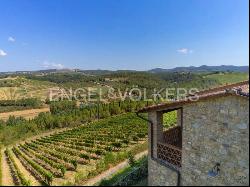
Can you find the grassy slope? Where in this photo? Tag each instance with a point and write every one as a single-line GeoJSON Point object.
{"type": "Point", "coordinates": [24, 88]}
{"type": "Point", "coordinates": [109, 161]}
{"type": "Point", "coordinates": [227, 78]}
{"type": "Point", "coordinates": [123, 173]}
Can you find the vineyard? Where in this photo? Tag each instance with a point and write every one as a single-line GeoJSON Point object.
{"type": "Point", "coordinates": [49, 158]}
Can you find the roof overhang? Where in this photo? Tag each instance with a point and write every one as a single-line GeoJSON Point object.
{"type": "Point", "coordinates": [189, 100]}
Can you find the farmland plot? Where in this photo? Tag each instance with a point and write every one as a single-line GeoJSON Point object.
{"type": "Point", "coordinates": [55, 159]}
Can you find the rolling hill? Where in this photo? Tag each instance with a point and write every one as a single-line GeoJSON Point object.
{"type": "Point", "coordinates": [203, 68]}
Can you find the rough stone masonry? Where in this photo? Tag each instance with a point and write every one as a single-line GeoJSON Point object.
{"type": "Point", "coordinates": [214, 131]}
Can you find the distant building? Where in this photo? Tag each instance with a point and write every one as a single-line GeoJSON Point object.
{"type": "Point", "coordinates": [209, 145]}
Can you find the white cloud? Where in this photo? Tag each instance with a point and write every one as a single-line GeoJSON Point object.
{"type": "Point", "coordinates": [2, 53]}
{"type": "Point", "coordinates": [52, 65]}
{"type": "Point", "coordinates": [11, 39]}
{"type": "Point", "coordinates": [184, 51]}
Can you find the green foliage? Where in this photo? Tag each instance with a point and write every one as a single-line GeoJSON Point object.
{"type": "Point", "coordinates": [115, 109]}
{"type": "Point", "coordinates": [10, 134]}
{"type": "Point", "coordinates": [177, 77]}
{"type": "Point", "coordinates": [80, 145]}
{"type": "Point", "coordinates": [228, 77]}
{"type": "Point", "coordinates": [13, 105]}
{"type": "Point", "coordinates": [130, 175]}
{"type": "Point", "coordinates": [51, 163]}
{"type": "Point", "coordinates": [62, 107]}
{"type": "Point", "coordinates": [70, 80]}
{"type": "Point", "coordinates": [105, 141]}
{"type": "Point", "coordinates": [10, 82]}
{"type": "Point", "coordinates": [16, 128]}
{"type": "Point", "coordinates": [31, 102]}
{"type": "Point", "coordinates": [170, 119]}
{"type": "Point", "coordinates": [63, 170]}
{"type": "Point", "coordinates": [131, 159]}
{"type": "Point", "coordinates": [120, 80]}
{"type": "Point", "coordinates": [123, 80]}
{"type": "Point", "coordinates": [74, 163]}
{"type": "Point", "coordinates": [48, 177]}
{"type": "Point", "coordinates": [15, 170]}
{"type": "Point", "coordinates": [15, 121]}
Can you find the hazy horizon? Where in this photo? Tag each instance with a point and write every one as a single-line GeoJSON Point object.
{"type": "Point", "coordinates": [44, 69]}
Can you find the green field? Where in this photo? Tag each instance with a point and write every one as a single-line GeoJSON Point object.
{"type": "Point", "coordinates": [227, 78]}
{"type": "Point", "coordinates": [136, 171]}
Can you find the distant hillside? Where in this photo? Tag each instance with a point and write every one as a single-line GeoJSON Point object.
{"type": "Point", "coordinates": [46, 71]}
{"type": "Point", "coordinates": [203, 68]}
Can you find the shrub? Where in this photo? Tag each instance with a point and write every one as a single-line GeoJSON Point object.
{"type": "Point", "coordinates": [135, 138]}
{"type": "Point", "coordinates": [131, 159]}
{"type": "Point", "coordinates": [117, 144]}
{"type": "Point", "coordinates": [74, 163]}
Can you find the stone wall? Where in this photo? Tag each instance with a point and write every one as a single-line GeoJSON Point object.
{"type": "Point", "coordinates": [216, 131]}
{"type": "Point", "coordinates": [157, 119]}
{"type": "Point", "coordinates": [160, 175]}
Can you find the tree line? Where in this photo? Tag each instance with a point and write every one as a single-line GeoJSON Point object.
{"type": "Point", "coordinates": [29, 102]}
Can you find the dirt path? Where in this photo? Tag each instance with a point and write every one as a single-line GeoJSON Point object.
{"type": "Point", "coordinates": [111, 171]}
{"type": "Point", "coordinates": [26, 173]}
{"type": "Point", "coordinates": [27, 114]}
{"type": "Point", "coordinates": [6, 178]}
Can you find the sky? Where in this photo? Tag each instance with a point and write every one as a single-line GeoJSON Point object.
{"type": "Point", "coordinates": [122, 34]}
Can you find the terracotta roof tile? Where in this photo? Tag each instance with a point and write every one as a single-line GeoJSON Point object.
{"type": "Point", "coordinates": [244, 85]}
{"type": "Point", "coordinates": [237, 89]}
